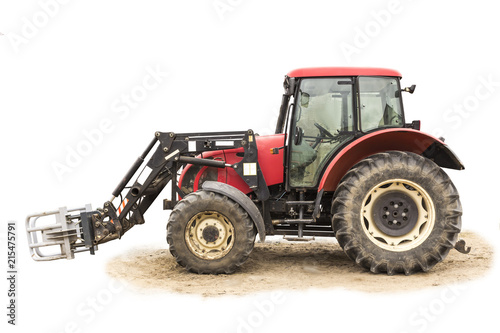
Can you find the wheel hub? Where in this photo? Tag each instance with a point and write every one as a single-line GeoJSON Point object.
{"type": "Point", "coordinates": [395, 213]}
{"type": "Point", "coordinates": [210, 233]}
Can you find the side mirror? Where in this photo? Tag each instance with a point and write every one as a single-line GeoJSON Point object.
{"type": "Point", "coordinates": [410, 89]}
{"type": "Point", "coordinates": [407, 89]}
{"type": "Point", "coordinates": [299, 133]}
{"type": "Point", "coordinates": [304, 100]}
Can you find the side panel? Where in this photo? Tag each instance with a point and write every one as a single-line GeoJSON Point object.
{"type": "Point", "coordinates": [270, 164]}
{"type": "Point", "coordinates": [402, 139]}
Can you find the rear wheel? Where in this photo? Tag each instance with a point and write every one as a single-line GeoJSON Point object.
{"type": "Point", "coordinates": [396, 212]}
{"type": "Point", "coordinates": [209, 233]}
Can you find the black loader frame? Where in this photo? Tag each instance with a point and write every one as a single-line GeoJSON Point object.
{"type": "Point", "coordinates": [87, 228]}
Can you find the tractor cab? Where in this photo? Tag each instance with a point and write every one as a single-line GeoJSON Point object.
{"type": "Point", "coordinates": [331, 107]}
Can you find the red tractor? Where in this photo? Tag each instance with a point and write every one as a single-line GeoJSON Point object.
{"type": "Point", "coordinates": [343, 163]}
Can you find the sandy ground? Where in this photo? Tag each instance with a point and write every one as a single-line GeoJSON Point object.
{"type": "Point", "coordinates": [294, 266]}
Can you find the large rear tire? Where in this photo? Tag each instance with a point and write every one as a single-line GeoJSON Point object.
{"type": "Point", "coordinates": [396, 212]}
{"type": "Point", "coordinates": [208, 233]}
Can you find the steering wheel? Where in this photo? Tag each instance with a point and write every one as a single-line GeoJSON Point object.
{"type": "Point", "coordinates": [323, 131]}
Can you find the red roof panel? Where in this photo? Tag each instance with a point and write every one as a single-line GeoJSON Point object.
{"type": "Point", "coordinates": [343, 71]}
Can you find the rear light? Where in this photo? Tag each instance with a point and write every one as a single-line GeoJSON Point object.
{"type": "Point", "coordinates": [414, 124]}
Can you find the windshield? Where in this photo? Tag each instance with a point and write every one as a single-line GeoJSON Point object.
{"type": "Point", "coordinates": [380, 103]}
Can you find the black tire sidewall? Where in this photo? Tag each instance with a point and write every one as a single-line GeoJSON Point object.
{"type": "Point", "coordinates": [405, 166]}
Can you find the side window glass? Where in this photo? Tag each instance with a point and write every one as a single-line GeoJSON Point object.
{"type": "Point", "coordinates": [380, 104]}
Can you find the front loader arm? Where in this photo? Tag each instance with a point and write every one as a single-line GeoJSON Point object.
{"type": "Point", "coordinates": [83, 229]}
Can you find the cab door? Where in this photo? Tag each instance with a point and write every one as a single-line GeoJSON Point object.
{"type": "Point", "coordinates": [323, 120]}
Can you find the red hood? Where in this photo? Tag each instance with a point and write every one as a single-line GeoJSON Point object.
{"type": "Point", "coordinates": [270, 164]}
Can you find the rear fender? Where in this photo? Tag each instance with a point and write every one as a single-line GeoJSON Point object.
{"type": "Point", "coordinates": [402, 139]}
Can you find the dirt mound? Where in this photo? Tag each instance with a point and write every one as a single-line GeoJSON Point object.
{"type": "Point", "coordinates": [294, 266]}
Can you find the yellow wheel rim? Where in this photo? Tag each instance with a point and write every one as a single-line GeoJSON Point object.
{"type": "Point", "coordinates": [209, 235]}
{"type": "Point", "coordinates": [397, 215]}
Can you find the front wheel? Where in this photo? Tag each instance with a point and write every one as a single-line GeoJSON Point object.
{"type": "Point", "coordinates": [396, 212]}
{"type": "Point", "coordinates": [209, 233]}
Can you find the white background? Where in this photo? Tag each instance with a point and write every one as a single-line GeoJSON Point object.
{"type": "Point", "coordinates": [68, 72]}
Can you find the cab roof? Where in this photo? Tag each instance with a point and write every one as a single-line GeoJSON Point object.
{"type": "Point", "coordinates": [342, 71]}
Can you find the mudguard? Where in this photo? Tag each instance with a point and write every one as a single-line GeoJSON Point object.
{"type": "Point", "coordinates": [244, 201]}
{"type": "Point", "coordinates": [402, 139]}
